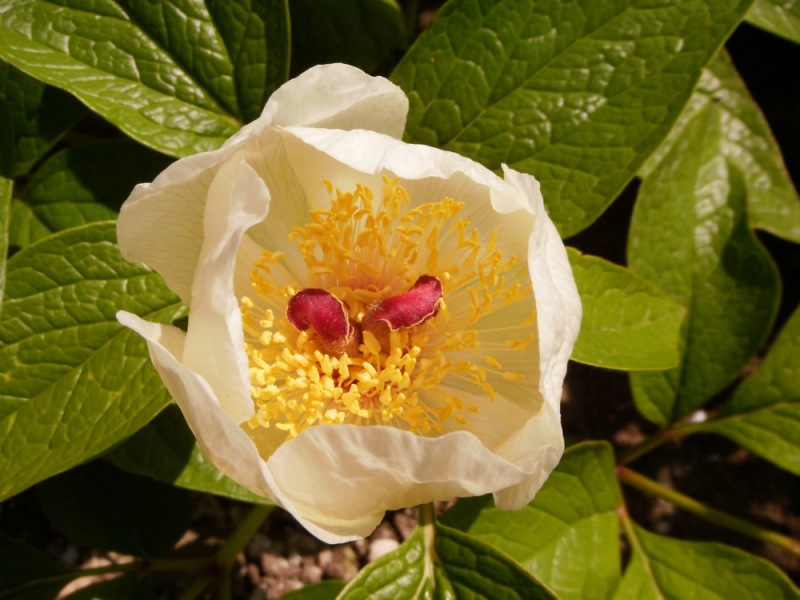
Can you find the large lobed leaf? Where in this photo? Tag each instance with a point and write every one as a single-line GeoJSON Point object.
{"type": "Point", "coordinates": [747, 142]}
{"type": "Point", "coordinates": [689, 234]}
{"type": "Point", "coordinates": [577, 93]}
{"type": "Point", "coordinates": [178, 75]}
{"type": "Point", "coordinates": [73, 382]}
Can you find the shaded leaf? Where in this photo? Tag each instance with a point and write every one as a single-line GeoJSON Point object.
{"type": "Point", "coordinates": [628, 323]}
{"type": "Point", "coordinates": [166, 450]}
{"type": "Point", "coordinates": [569, 535]}
{"type": "Point", "coordinates": [747, 142]}
{"type": "Point", "coordinates": [576, 93]}
{"type": "Point", "coordinates": [81, 185]}
{"type": "Point", "coordinates": [178, 75]}
{"type": "Point", "coordinates": [324, 590]}
{"type": "Point", "coordinates": [38, 115]}
{"type": "Point", "coordinates": [127, 587]}
{"type": "Point", "coordinates": [73, 382]}
{"type": "Point", "coordinates": [764, 413]}
{"type": "Point", "coordinates": [689, 235]}
{"type": "Point", "coordinates": [27, 574]}
{"type": "Point", "coordinates": [362, 33]}
{"type": "Point", "coordinates": [663, 567]}
{"type": "Point", "coordinates": [102, 507]}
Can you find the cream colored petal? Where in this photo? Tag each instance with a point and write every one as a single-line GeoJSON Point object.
{"type": "Point", "coordinates": [558, 304]}
{"type": "Point", "coordinates": [161, 223]}
{"type": "Point", "coordinates": [343, 478]}
{"type": "Point", "coordinates": [237, 199]}
{"type": "Point", "coordinates": [536, 449]}
{"type": "Point", "coordinates": [364, 153]}
{"type": "Point", "coordinates": [339, 96]}
{"type": "Point", "coordinates": [221, 439]}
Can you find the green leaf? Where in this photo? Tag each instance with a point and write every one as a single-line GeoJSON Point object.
{"type": "Point", "coordinates": [477, 570]}
{"type": "Point", "coordinates": [27, 574]}
{"type": "Point", "coordinates": [38, 115]}
{"type": "Point", "coordinates": [628, 323]}
{"type": "Point", "coordinates": [73, 382]}
{"type": "Point", "coordinates": [576, 93]}
{"type": "Point", "coordinates": [363, 33]}
{"type": "Point", "coordinates": [178, 75]}
{"type": "Point", "coordinates": [570, 535]}
{"type": "Point", "coordinates": [6, 189]}
{"type": "Point", "coordinates": [256, 38]}
{"type": "Point", "coordinates": [440, 562]}
{"type": "Point", "coordinates": [747, 142]}
{"type": "Point", "coordinates": [764, 413]}
{"type": "Point", "coordinates": [689, 235]}
{"type": "Point", "coordinates": [127, 587]}
{"type": "Point", "coordinates": [662, 567]}
{"type": "Point", "coordinates": [324, 590]}
{"type": "Point", "coordinates": [404, 573]}
{"type": "Point", "coordinates": [781, 17]}
{"type": "Point", "coordinates": [81, 185]}
{"type": "Point", "coordinates": [102, 507]}
{"type": "Point", "coordinates": [167, 450]}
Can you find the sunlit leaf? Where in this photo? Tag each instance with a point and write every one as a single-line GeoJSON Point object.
{"type": "Point", "coordinates": [689, 235]}
{"type": "Point", "coordinates": [628, 323]}
{"type": "Point", "coordinates": [747, 142]}
{"type": "Point", "coordinates": [178, 75]}
{"type": "Point", "coordinates": [73, 382]}
{"type": "Point", "coordinates": [568, 536]}
{"type": "Point", "coordinates": [440, 562]}
{"type": "Point", "coordinates": [781, 17]}
{"type": "Point", "coordinates": [576, 93]}
{"type": "Point", "coordinates": [663, 567]}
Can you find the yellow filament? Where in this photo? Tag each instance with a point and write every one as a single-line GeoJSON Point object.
{"type": "Point", "coordinates": [362, 250]}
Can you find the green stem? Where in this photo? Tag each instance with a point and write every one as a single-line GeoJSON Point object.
{"type": "Point", "coordinates": [427, 514]}
{"type": "Point", "coordinates": [704, 511]}
{"type": "Point", "coordinates": [657, 439]}
{"type": "Point", "coordinates": [226, 556]}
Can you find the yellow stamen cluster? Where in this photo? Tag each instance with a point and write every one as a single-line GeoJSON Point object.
{"type": "Point", "coordinates": [361, 251]}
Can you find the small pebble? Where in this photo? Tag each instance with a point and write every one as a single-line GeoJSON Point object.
{"type": "Point", "coordinates": [381, 547]}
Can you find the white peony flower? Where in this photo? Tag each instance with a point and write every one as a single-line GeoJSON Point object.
{"type": "Point", "coordinates": [373, 324]}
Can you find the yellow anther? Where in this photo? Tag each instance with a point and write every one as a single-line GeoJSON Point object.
{"type": "Point", "coordinates": [362, 250]}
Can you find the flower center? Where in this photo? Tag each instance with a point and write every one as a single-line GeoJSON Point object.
{"type": "Point", "coordinates": [367, 338]}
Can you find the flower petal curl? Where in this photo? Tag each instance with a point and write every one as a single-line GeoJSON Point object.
{"type": "Point", "coordinates": [158, 224]}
